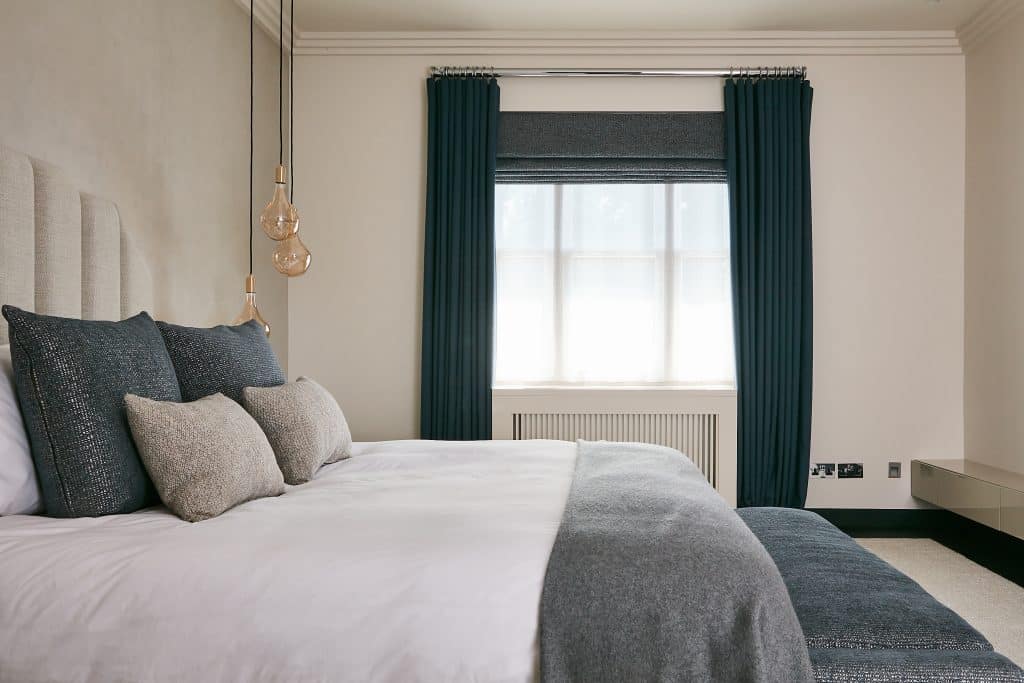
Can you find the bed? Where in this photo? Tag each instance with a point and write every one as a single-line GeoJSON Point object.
{"type": "Point", "coordinates": [410, 561]}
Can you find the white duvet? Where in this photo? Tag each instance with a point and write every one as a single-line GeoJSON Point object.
{"type": "Point", "coordinates": [412, 561]}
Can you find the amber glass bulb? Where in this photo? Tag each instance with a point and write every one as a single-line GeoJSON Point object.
{"type": "Point", "coordinates": [279, 218]}
{"type": "Point", "coordinates": [291, 257]}
{"type": "Point", "coordinates": [249, 309]}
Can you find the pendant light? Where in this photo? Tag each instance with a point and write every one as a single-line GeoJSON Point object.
{"type": "Point", "coordinates": [279, 218]}
{"type": "Point", "coordinates": [291, 257]}
{"type": "Point", "coordinates": [249, 309]}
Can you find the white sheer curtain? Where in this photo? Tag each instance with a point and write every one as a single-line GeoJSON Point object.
{"type": "Point", "coordinates": [613, 284]}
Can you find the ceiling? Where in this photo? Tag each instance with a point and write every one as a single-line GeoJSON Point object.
{"type": "Point", "coordinates": [633, 15]}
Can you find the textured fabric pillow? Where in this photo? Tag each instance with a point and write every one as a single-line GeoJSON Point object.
{"type": "Point", "coordinates": [19, 487]}
{"type": "Point", "coordinates": [72, 376]}
{"type": "Point", "coordinates": [205, 456]}
{"type": "Point", "coordinates": [221, 359]}
{"type": "Point", "coordinates": [303, 423]}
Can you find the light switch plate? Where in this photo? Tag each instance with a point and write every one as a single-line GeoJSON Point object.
{"type": "Point", "coordinates": [895, 470]}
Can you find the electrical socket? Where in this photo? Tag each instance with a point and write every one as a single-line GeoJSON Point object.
{"type": "Point", "coordinates": [895, 470]}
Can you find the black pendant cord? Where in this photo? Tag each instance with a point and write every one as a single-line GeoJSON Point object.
{"type": "Point", "coordinates": [252, 127]}
{"type": "Point", "coordinates": [280, 83]}
{"type": "Point", "coordinates": [291, 102]}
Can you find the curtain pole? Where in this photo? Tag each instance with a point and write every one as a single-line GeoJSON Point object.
{"type": "Point", "coordinates": [728, 72]}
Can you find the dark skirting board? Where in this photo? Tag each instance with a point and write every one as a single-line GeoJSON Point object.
{"type": "Point", "coordinates": [996, 551]}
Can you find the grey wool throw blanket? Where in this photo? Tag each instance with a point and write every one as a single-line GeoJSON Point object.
{"type": "Point", "coordinates": [653, 577]}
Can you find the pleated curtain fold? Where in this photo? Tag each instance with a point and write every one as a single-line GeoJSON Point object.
{"type": "Point", "coordinates": [768, 169]}
{"type": "Point", "coordinates": [458, 259]}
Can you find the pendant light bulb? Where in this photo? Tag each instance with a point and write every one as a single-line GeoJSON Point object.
{"type": "Point", "coordinates": [291, 257]}
{"type": "Point", "coordinates": [279, 219]}
{"type": "Point", "coordinates": [249, 309]}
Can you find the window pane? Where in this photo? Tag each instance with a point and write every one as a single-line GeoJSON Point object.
{"type": "Point", "coordinates": [524, 346]}
{"type": "Point", "coordinates": [614, 217]}
{"type": "Point", "coordinates": [614, 310]}
{"type": "Point", "coordinates": [702, 349]}
{"type": "Point", "coordinates": [524, 216]}
{"type": "Point", "coordinates": [701, 213]}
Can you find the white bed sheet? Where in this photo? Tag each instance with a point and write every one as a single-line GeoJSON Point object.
{"type": "Point", "coordinates": [412, 561]}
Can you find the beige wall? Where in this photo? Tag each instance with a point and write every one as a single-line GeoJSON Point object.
{"type": "Point", "coordinates": [888, 184]}
{"type": "Point", "coordinates": [146, 103]}
{"type": "Point", "coordinates": [994, 368]}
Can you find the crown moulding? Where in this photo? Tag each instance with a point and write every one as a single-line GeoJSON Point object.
{"type": "Point", "coordinates": [987, 22]}
{"type": "Point", "coordinates": [639, 43]}
{"type": "Point", "coordinates": [628, 43]}
{"type": "Point", "coordinates": [268, 18]}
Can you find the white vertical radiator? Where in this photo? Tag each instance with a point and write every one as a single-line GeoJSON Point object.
{"type": "Point", "coordinates": [700, 423]}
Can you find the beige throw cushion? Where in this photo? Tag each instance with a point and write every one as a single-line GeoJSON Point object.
{"type": "Point", "coordinates": [205, 456]}
{"type": "Point", "coordinates": [303, 423]}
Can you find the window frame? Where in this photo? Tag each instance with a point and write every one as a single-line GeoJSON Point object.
{"type": "Point", "coordinates": [668, 255]}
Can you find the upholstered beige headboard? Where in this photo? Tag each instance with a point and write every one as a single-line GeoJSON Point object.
{"type": "Point", "coordinates": [63, 252]}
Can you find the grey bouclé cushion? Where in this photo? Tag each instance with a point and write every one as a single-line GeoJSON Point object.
{"type": "Point", "coordinates": [303, 423]}
{"type": "Point", "coordinates": [71, 377]}
{"type": "Point", "coordinates": [221, 359]}
{"type": "Point", "coordinates": [205, 456]}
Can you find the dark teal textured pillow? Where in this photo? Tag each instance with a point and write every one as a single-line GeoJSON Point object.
{"type": "Point", "coordinates": [71, 377]}
{"type": "Point", "coordinates": [221, 359]}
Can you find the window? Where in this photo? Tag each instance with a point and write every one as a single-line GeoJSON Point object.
{"type": "Point", "coordinates": [613, 284]}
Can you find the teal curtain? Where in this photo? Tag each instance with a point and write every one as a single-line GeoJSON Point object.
{"type": "Point", "coordinates": [458, 259]}
{"type": "Point", "coordinates": [767, 122]}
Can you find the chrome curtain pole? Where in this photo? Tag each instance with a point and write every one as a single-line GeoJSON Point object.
{"type": "Point", "coordinates": [728, 72]}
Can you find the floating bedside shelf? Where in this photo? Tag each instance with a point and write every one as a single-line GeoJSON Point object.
{"type": "Point", "coordinates": [988, 495]}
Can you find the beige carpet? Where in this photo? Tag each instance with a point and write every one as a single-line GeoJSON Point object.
{"type": "Point", "coordinates": [986, 600]}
